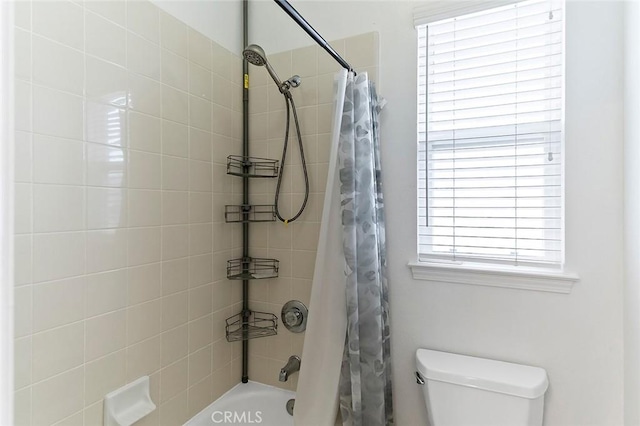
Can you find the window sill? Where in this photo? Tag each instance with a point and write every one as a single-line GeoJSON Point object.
{"type": "Point", "coordinates": [522, 278]}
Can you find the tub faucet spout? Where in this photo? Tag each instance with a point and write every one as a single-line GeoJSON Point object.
{"type": "Point", "coordinates": [292, 366]}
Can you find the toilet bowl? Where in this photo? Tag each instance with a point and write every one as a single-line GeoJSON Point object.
{"type": "Point", "coordinates": [461, 390]}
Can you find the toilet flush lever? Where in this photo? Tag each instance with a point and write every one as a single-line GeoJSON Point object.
{"type": "Point", "coordinates": [419, 379]}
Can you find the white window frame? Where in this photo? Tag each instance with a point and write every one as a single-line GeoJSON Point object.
{"type": "Point", "coordinates": [493, 274]}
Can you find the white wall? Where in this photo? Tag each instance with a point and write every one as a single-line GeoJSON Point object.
{"type": "Point", "coordinates": [220, 20]}
{"type": "Point", "coordinates": [632, 213]}
{"type": "Point", "coordinates": [578, 337]}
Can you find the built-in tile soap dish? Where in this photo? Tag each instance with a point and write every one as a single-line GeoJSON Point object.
{"type": "Point", "coordinates": [128, 404]}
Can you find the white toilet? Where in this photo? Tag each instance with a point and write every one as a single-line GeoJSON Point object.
{"type": "Point", "coordinates": [466, 391]}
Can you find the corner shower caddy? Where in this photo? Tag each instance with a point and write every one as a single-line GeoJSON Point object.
{"type": "Point", "coordinates": [252, 268]}
{"type": "Point", "coordinates": [251, 324]}
{"type": "Point", "coordinates": [245, 213]}
{"type": "Point", "coordinates": [258, 324]}
{"type": "Point", "coordinates": [252, 167]}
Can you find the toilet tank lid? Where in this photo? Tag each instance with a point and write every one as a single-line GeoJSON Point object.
{"type": "Point", "coordinates": [497, 376]}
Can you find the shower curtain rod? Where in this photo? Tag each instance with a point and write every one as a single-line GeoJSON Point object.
{"type": "Point", "coordinates": [290, 10]}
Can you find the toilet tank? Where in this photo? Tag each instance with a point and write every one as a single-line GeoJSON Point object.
{"type": "Point", "coordinates": [462, 390]}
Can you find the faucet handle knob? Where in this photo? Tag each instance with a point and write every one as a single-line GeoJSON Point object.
{"type": "Point", "coordinates": [293, 317]}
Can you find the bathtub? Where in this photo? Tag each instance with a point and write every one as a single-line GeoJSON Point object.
{"type": "Point", "coordinates": [247, 404]}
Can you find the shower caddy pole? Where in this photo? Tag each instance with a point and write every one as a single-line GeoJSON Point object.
{"type": "Point", "coordinates": [245, 193]}
{"type": "Point", "coordinates": [248, 324]}
{"type": "Point", "coordinates": [251, 324]}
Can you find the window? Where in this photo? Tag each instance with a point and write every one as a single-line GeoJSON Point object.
{"type": "Point", "coordinates": [490, 134]}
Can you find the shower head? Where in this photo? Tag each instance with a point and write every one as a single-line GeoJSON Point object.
{"type": "Point", "coordinates": [255, 55]}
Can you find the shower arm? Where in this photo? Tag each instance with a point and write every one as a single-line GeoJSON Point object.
{"type": "Point", "coordinates": [293, 13]}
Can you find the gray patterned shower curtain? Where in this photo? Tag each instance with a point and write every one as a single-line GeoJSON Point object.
{"type": "Point", "coordinates": [365, 381]}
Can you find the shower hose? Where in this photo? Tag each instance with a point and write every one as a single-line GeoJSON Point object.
{"type": "Point", "coordinates": [291, 106]}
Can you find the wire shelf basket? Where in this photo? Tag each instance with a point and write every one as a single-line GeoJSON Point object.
{"type": "Point", "coordinates": [252, 268]}
{"type": "Point", "coordinates": [258, 324]}
{"type": "Point", "coordinates": [249, 213]}
{"type": "Point", "coordinates": [238, 165]}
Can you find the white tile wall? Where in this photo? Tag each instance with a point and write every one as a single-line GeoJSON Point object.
{"type": "Point", "coordinates": [105, 39]}
{"type": "Point", "coordinates": [57, 113]}
{"type": "Point", "coordinates": [62, 22]}
{"type": "Point", "coordinates": [57, 350]}
{"type": "Point", "coordinates": [115, 11]}
{"type": "Point", "coordinates": [124, 119]}
{"type": "Point", "coordinates": [294, 245]}
{"type": "Point", "coordinates": [57, 303]}
{"type": "Point", "coordinates": [54, 398]}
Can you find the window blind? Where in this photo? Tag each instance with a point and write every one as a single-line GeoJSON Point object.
{"type": "Point", "coordinates": [490, 134]}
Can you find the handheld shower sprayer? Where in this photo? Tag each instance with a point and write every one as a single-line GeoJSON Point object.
{"type": "Point", "coordinates": [255, 55]}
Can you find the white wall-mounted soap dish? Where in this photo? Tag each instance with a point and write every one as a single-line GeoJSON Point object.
{"type": "Point", "coordinates": [128, 404]}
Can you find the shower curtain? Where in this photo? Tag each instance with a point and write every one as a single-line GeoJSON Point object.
{"type": "Point", "coordinates": [352, 306]}
{"type": "Point", "coordinates": [365, 382]}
